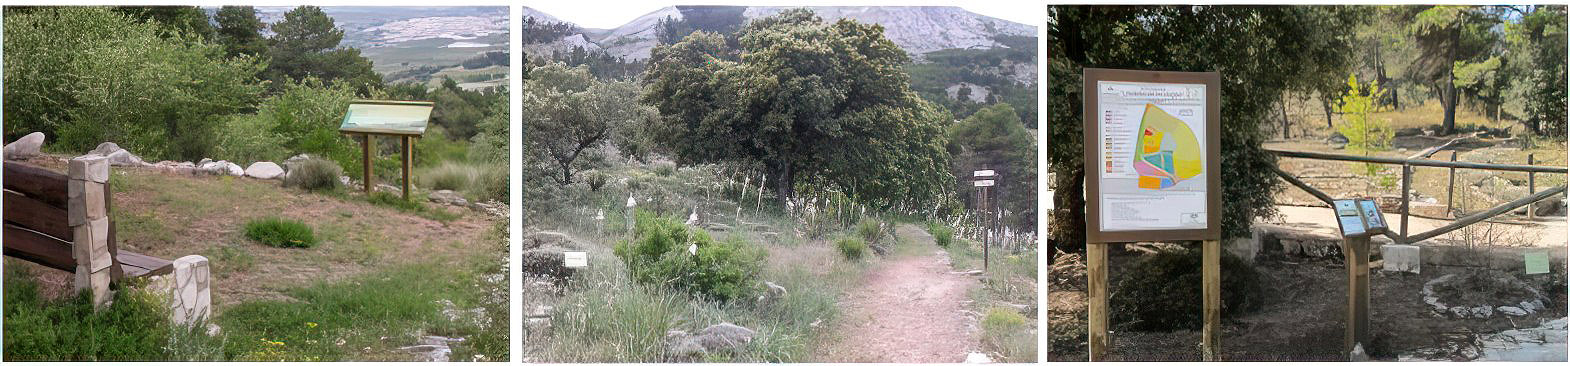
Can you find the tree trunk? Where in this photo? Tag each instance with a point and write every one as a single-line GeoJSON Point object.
{"type": "Point", "coordinates": [1326, 102]}
{"type": "Point", "coordinates": [1066, 232]}
{"type": "Point", "coordinates": [1448, 92]}
{"type": "Point", "coordinates": [784, 188]}
{"type": "Point", "coordinates": [1286, 127]}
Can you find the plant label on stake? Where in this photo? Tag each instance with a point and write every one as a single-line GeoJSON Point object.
{"type": "Point", "coordinates": [575, 259]}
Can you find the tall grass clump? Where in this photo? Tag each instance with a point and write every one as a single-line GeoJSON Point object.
{"type": "Point", "coordinates": [666, 252]}
{"type": "Point", "coordinates": [477, 181]}
{"type": "Point", "coordinates": [871, 230]}
{"type": "Point", "coordinates": [853, 248]}
{"type": "Point", "coordinates": [315, 175]}
{"type": "Point", "coordinates": [281, 233]}
{"type": "Point", "coordinates": [1005, 331]}
{"type": "Point", "coordinates": [941, 234]}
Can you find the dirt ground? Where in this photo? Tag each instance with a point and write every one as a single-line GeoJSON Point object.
{"type": "Point", "coordinates": [170, 216]}
{"type": "Point", "coordinates": [1303, 317]}
{"type": "Point", "coordinates": [909, 308]}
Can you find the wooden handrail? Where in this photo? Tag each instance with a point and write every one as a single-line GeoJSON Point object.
{"type": "Point", "coordinates": [1420, 162]}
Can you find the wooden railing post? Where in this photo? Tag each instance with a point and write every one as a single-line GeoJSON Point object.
{"type": "Point", "coordinates": [1531, 188]}
{"type": "Point", "coordinates": [1450, 192]}
{"type": "Point", "coordinates": [89, 221]}
{"type": "Point", "coordinates": [1406, 195]}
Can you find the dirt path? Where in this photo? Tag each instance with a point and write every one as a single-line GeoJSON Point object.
{"type": "Point", "coordinates": [908, 308]}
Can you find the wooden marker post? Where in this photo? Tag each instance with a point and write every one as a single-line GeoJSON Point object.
{"type": "Point", "coordinates": [1096, 280]}
{"type": "Point", "coordinates": [365, 159]}
{"type": "Point", "coordinates": [985, 179]}
{"type": "Point", "coordinates": [1356, 250]}
{"type": "Point", "coordinates": [1211, 276]}
{"type": "Point", "coordinates": [408, 164]}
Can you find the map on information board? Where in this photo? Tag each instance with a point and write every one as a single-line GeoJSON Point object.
{"type": "Point", "coordinates": [1152, 156]}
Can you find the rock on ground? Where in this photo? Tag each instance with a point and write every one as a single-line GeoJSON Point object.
{"type": "Point", "coordinates": [25, 147]}
{"type": "Point", "coordinates": [264, 170]}
{"type": "Point", "coordinates": [715, 338]}
{"type": "Point", "coordinates": [448, 197]}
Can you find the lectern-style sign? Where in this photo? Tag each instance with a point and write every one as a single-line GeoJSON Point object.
{"type": "Point", "coordinates": [1152, 173]}
{"type": "Point", "coordinates": [405, 120]}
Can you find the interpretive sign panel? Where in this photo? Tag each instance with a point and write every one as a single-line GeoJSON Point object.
{"type": "Point", "coordinates": [1372, 216]}
{"type": "Point", "coordinates": [1350, 218]}
{"type": "Point", "coordinates": [1152, 150]}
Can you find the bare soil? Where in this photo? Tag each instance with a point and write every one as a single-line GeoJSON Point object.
{"type": "Point", "coordinates": [908, 309]}
{"type": "Point", "coordinates": [170, 216]}
{"type": "Point", "coordinates": [1303, 317]}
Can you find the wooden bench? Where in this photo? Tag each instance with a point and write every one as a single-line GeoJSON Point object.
{"type": "Point", "coordinates": [39, 225]}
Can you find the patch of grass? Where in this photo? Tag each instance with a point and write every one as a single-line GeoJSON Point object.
{"type": "Point", "coordinates": [229, 259]}
{"type": "Point", "coordinates": [315, 175]}
{"type": "Point", "coordinates": [363, 319]}
{"type": "Point", "coordinates": [853, 248]}
{"type": "Point", "coordinates": [281, 233]}
{"type": "Point", "coordinates": [141, 227]}
{"type": "Point", "coordinates": [941, 234]}
{"type": "Point", "coordinates": [1005, 331]}
{"type": "Point", "coordinates": [480, 182]}
{"type": "Point", "coordinates": [134, 328]}
{"type": "Point", "coordinates": [410, 206]}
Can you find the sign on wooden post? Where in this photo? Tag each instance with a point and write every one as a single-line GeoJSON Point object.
{"type": "Point", "coordinates": [984, 179]}
{"type": "Point", "coordinates": [1152, 162]}
{"type": "Point", "coordinates": [405, 120]}
{"type": "Point", "coordinates": [1359, 219]}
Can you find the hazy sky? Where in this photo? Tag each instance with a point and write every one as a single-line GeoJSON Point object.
{"type": "Point", "coordinates": [614, 13]}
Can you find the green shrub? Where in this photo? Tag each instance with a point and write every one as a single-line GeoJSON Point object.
{"type": "Point", "coordinates": [1163, 293]}
{"type": "Point", "coordinates": [315, 175]}
{"type": "Point", "coordinates": [852, 248]}
{"type": "Point", "coordinates": [1004, 331]}
{"type": "Point", "coordinates": [36, 329]}
{"type": "Point", "coordinates": [659, 255]}
{"type": "Point", "coordinates": [665, 170]}
{"type": "Point", "coordinates": [870, 230]}
{"type": "Point", "coordinates": [941, 234]}
{"type": "Point", "coordinates": [280, 233]}
{"type": "Point", "coordinates": [596, 180]}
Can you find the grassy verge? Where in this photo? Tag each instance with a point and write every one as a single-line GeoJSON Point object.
{"type": "Point", "coordinates": [1007, 299]}
{"type": "Point", "coordinates": [135, 328]}
{"type": "Point", "coordinates": [369, 318]}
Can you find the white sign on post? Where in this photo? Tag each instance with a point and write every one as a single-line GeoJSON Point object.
{"type": "Point", "coordinates": [1151, 156]}
{"type": "Point", "coordinates": [985, 183]}
{"type": "Point", "coordinates": [984, 173]}
{"type": "Point", "coordinates": [575, 259]}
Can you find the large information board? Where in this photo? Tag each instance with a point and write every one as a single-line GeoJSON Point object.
{"type": "Point", "coordinates": [1152, 154]}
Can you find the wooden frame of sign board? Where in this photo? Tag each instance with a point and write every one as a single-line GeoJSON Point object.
{"type": "Point", "coordinates": [405, 120]}
{"type": "Point", "coordinates": [1097, 239]}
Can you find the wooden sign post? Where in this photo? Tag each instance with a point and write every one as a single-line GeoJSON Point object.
{"type": "Point", "coordinates": [984, 180]}
{"type": "Point", "coordinates": [1359, 220]}
{"type": "Point", "coordinates": [1152, 168]}
{"type": "Point", "coordinates": [405, 120]}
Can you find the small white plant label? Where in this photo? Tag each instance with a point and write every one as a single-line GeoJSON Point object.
{"type": "Point", "coordinates": [693, 248]}
{"type": "Point", "coordinates": [576, 259]}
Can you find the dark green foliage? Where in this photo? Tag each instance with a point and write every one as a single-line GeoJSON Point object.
{"type": "Point", "coordinates": [853, 248]}
{"type": "Point", "coordinates": [1162, 292]}
{"type": "Point", "coordinates": [1447, 37]}
{"type": "Point", "coordinates": [871, 230]}
{"type": "Point", "coordinates": [281, 233]}
{"type": "Point", "coordinates": [86, 75]}
{"type": "Point", "coordinates": [315, 175]}
{"type": "Point", "coordinates": [135, 328]}
{"type": "Point", "coordinates": [570, 113]}
{"type": "Point", "coordinates": [306, 44]}
{"type": "Point", "coordinates": [188, 20]}
{"type": "Point", "coordinates": [808, 101]}
{"type": "Point", "coordinates": [993, 138]}
{"type": "Point", "coordinates": [941, 234]}
{"type": "Point", "coordinates": [240, 31]}
{"type": "Point", "coordinates": [1537, 43]}
{"type": "Point", "coordinates": [1260, 52]}
{"type": "Point", "coordinates": [658, 255]}
{"type": "Point", "coordinates": [988, 68]}
{"type": "Point", "coordinates": [487, 59]}
{"type": "Point", "coordinates": [542, 31]}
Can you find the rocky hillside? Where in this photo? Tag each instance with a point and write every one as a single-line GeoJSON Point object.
{"type": "Point", "coordinates": [918, 29]}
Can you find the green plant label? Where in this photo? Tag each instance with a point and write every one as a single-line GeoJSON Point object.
{"type": "Point", "coordinates": [1536, 263]}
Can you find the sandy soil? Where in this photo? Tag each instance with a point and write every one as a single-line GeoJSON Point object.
{"type": "Point", "coordinates": [909, 308]}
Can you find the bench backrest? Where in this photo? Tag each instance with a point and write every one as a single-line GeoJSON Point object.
{"type": "Point", "coordinates": [38, 227]}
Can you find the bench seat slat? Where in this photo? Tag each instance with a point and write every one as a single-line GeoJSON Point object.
{"type": "Point", "coordinates": [138, 265]}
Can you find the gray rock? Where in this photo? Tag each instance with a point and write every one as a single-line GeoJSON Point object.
{"type": "Point", "coordinates": [772, 293]}
{"type": "Point", "coordinates": [448, 197]}
{"type": "Point", "coordinates": [681, 344]}
{"type": "Point", "coordinates": [1551, 206]}
{"type": "Point", "coordinates": [1460, 311]}
{"type": "Point", "coordinates": [724, 336]}
{"type": "Point", "coordinates": [25, 147]}
{"type": "Point", "coordinates": [540, 239]}
{"type": "Point", "coordinates": [1512, 311]}
{"type": "Point", "coordinates": [106, 148]}
{"type": "Point", "coordinates": [1482, 312]}
{"type": "Point", "coordinates": [1358, 354]}
{"type": "Point", "coordinates": [1409, 131]}
{"type": "Point", "coordinates": [977, 357]}
{"type": "Point", "coordinates": [384, 187]}
{"type": "Point", "coordinates": [220, 167]}
{"type": "Point", "coordinates": [1337, 140]}
{"type": "Point", "coordinates": [264, 170]}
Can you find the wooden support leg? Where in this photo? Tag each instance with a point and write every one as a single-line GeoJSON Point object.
{"type": "Point", "coordinates": [1356, 250]}
{"type": "Point", "coordinates": [1212, 292]}
{"type": "Point", "coordinates": [365, 152]}
{"type": "Point", "coordinates": [1096, 278]}
{"type": "Point", "coordinates": [408, 159]}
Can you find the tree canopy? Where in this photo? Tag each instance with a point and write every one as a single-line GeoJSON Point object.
{"type": "Point", "coordinates": [306, 45]}
{"type": "Point", "coordinates": [807, 101]}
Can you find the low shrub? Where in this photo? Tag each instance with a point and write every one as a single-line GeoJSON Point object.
{"type": "Point", "coordinates": [1163, 292]}
{"type": "Point", "coordinates": [662, 253]}
{"type": "Point", "coordinates": [665, 170]}
{"type": "Point", "coordinates": [1005, 331]}
{"type": "Point", "coordinates": [281, 233]}
{"type": "Point", "coordinates": [595, 180]}
{"type": "Point", "coordinates": [941, 234]}
{"type": "Point", "coordinates": [871, 230]}
{"type": "Point", "coordinates": [315, 175]}
{"type": "Point", "coordinates": [852, 248]}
